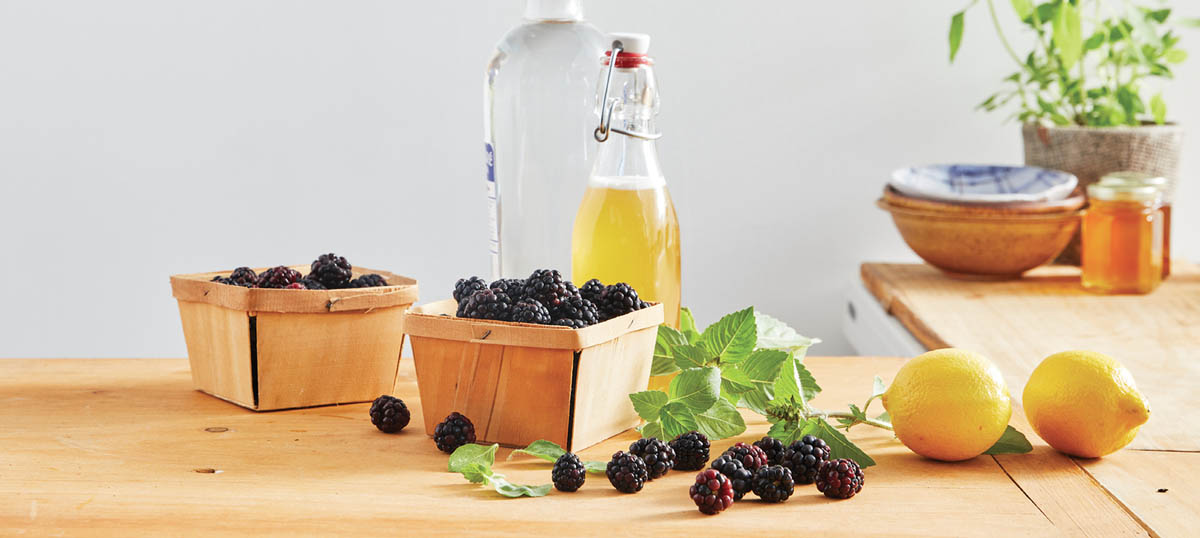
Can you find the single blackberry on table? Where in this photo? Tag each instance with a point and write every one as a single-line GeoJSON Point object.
{"type": "Point", "coordinates": [617, 300]}
{"type": "Point", "coordinates": [712, 492]}
{"type": "Point", "coordinates": [389, 414]}
{"type": "Point", "coordinates": [580, 311]}
{"type": "Point", "coordinates": [295, 286]}
{"type": "Point", "coordinates": [739, 477]}
{"type": "Point", "coordinates": [530, 311]}
{"type": "Point", "coordinates": [513, 287]}
{"type": "Point", "coordinates": [840, 479]}
{"type": "Point", "coordinates": [773, 483]}
{"type": "Point", "coordinates": [278, 277]}
{"type": "Point", "coordinates": [568, 474]}
{"type": "Point", "coordinates": [486, 304]}
{"type": "Point", "coordinates": [627, 472]}
{"type": "Point", "coordinates": [691, 451]}
{"type": "Point", "coordinates": [331, 270]}
{"type": "Point", "coordinates": [548, 287]}
{"type": "Point", "coordinates": [591, 290]}
{"type": "Point", "coordinates": [454, 432]}
{"type": "Point", "coordinates": [466, 286]}
{"type": "Point", "coordinates": [751, 456]}
{"type": "Point", "coordinates": [310, 284]}
{"type": "Point", "coordinates": [659, 456]}
{"type": "Point", "coordinates": [804, 457]}
{"type": "Point", "coordinates": [773, 448]}
{"type": "Point", "coordinates": [368, 281]}
{"type": "Point", "coordinates": [244, 276]}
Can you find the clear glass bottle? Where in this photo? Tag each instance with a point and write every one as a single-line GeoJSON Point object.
{"type": "Point", "coordinates": [626, 229]}
{"type": "Point", "coordinates": [539, 91]}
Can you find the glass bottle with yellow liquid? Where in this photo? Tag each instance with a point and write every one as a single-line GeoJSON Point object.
{"type": "Point", "coordinates": [626, 229]}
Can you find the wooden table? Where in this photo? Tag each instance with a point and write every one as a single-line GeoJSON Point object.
{"type": "Point", "coordinates": [126, 447]}
{"type": "Point", "coordinates": [1018, 323]}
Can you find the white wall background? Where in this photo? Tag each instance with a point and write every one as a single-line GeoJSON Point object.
{"type": "Point", "coordinates": [144, 138]}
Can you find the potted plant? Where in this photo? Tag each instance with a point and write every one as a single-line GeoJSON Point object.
{"type": "Point", "coordinates": [1088, 91]}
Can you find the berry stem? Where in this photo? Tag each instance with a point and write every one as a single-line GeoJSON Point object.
{"type": "Point", "coordinates": [857, 420]}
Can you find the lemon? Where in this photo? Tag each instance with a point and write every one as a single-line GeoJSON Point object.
{"type": "Point", "coordinates": [1084, 403]}
{"type": "Point", "coordinates": [948, 404]}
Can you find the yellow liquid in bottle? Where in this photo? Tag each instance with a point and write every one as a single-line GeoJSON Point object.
{"type": "Point", "coordinates": [626, 231]}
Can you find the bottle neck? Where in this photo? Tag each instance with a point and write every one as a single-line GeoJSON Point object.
{"type": "Point", "coordinates": [626, 156]}
{"type": "Point", "coordinates": [634, 98]}
{"type": "Point", "coordinates": [554, 10]}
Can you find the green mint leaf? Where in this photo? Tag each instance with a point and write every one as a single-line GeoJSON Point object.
{"type": "Point", "coordinates": [878, 388]}
{"type": "Point", "coordinates": [648, 403]}
{"type": "Point", "coordinates": [788, 384]}
{"type": "Point", "coordinates": [1024, 8]}
{"type": "Point", "coordinates": [664, 361]}
{"type": "Point", "coordinates": [721, 421]}
{"type": "Point", "coordinates": [775, 334]}
{"type": "Point", "coordinates": [1011, 442]}
{"type": "Point", "coordinates": [599, 467]}
{"type": "Point", "coordinates": [762, 367]}
{"type": "Point", "coordinates": [1194, 22]}
{"type": "Point", "coordinates": [1158, 107]}
{"type": "Point", "coordinates": [696, 388]}
{"type": "Point", "coordinates": [789, 432]}
{"type": "Point", "coordinates": [839, 445]}
{"type": "Point", "coordinates": [652, 429]}
{"type": "Point", "coordinates": [732, 338]}
{"type": "Point", "coordinates": [689, 356]}
{"type": "Point", "coordinates": [677, 419]}
{"type": "Point", "coordinates": [956, 33]}
{"type": "Point", "coordinates": [1068, 34]}
{"type": "Point", "coordinates": [468, 456]}
{"type": "Point", "coordinates": [884, 417]}
{"type": "Point", "coordinates": [734, 374]}
{"type": "Point", "coordinates": [508, 489]}
{"type": "Point", "coordinates": [546, 450]}
{"type": "Point", "coordinates": [687, 326]}
{"type": "Point", "coordinates": [476, 473]}
{"type": "Point", "coordinates": [1176, 56]}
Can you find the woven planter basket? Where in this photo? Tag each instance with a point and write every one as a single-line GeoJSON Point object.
{"type": "Point", "coordinates": [1092, 152]}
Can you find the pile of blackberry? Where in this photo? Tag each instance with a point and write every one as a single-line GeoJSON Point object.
{"type": "Point", "coordinates": [327, 272]}
{"type": "Point", "coordinates": [545, 298]}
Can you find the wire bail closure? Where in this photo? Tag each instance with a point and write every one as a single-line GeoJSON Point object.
{"type": "Point", "coordinates": [606, 107]}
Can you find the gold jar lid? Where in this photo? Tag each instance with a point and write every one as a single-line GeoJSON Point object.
{"type": "Point", "coordinates": [1124, 192]}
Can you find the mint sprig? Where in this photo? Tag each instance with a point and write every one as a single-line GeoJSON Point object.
{"type": "Point", "coordinates": [550, 451]}
{"type": "Point", "coordinates": [475, 463]}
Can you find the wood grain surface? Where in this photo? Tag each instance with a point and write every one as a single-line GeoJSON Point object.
{"type": "Point", "coordinates": [126, 447]}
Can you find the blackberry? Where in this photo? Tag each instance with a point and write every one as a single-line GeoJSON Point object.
{"type": "Point", "coordinates": [774, 448]}
{"type": "Point", "coordinates": [805, 457]}
{"type": "Point", "coordinates": [331, 270]}
{"type": "Point", "coordinates": [567, 322]}
{"type": "Point", "coordinates": [244, 276]}
{"type": "Point", "coordinates": [223, 280]}
{"type": "Point", "coordinates": [568, 474]}
{"type": "Point", "coordinates": [513, 287]}
{"type": "Point", "coordinates": [739, 477]}
{"type": "Point", "coordinates": [659, 456]}
{"type": "Point", "coordinates": [617, 300]}
{"type": "Point", "coordinates": [580, 311]}
{"type": "Point", "coordinates": [368, 281]}
{"type": "Point", "coordinates": [486, 304]}
{"type": "Point", "coordinates": [691, 451]}
{"type": "Point", "coordinates": [712, 492]}
{"type": "Point", "coordinates": [389, 414]}
{"type": "Point", "coordinates": [548, 287]}
{"type": "Point", "coordinates": [530, 311]}
{"type": "Point", "coordinates": [751, 456]}
{"type": "Point", "coordinates": [278, 277]}
{"type": "Point", "coordinates": [454, 432]}
{"type": "Point", "coordinates": [840, 479]}
{"type": "Point", "coordinates": [466, 286]}
{"type": "Point", "coordinates": [295, 286]}
{"type": "Point", "coordinates": [591, 290]}
{"type": "Point", "coordinates": [627, 472]}
{"type": "Point", "coordinates": [310, 284]}
{"type": "Point", "coordinates": [773, 484]}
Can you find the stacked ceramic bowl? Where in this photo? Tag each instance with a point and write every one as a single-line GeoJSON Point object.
{"type": "Point", "coordinates": [984, 222]}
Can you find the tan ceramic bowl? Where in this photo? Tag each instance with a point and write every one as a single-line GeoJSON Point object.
{"type": "Point", "coordinates": [984, 245]}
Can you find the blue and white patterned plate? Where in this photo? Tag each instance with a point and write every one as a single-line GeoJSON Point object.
{"type": "Point", "coordinates": [983, 184]}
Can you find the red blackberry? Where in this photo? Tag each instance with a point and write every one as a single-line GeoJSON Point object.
{"type": "Point", "coordinates": [244, 276]}
{"type": "Point", "coordinates": [310, 284]}
{"type": "Point", "coordinates": [738, 475]}
{"type": "Point", "coordinates": [486, 304]}
{"type": "Point", "coordinates": [513, 287]}
{"type": "Point", "coordinates": [659, 457]}
{"type": "Point", "coordinates": [691, 451]}
{"type": "Point", "coordinates": [580, 311]}
{"type": "Point", "coordinates": [389, 414]}
{"type": "Point", "coordinates": [530, 311]}
{"type": "Point", "coordinates": [454, 432]}
{"type": "Point", "coordinates": [466, 286]}
{"type": "Point", "coordinates": [751, 456]}
{"type": "Point", "coordinates": [568, 474]}
{"type": "Point", "coordinates": [617, 300]}
{"type": "Point", "coordinates": [773, 484]}
{"type": "Point", "coordinates": [368, 281]}
{"type": "Point", "coordinates": [591, 290]}
{"type": "Point", "coordinates": [805, 457]}
{"type": "Point", "coordinates": [840, 479]}
{"type": "Point", "coordinates": [712, 492]}
{"type": "Point", "coordinates": [331, 270]}
{"type": "Point", "coordinates": [548, 287]}
{"type": "Point", "coordinates": [295, 286]}
{"type": "Point", "coordinates": [627, 472]}
{"type": "Point", "coordinates": [773, 448]}
{"type": "Point", "coordinates": [278, 277]}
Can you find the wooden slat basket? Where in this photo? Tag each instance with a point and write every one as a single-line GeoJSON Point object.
{"type": "Point", "coordinates": [519, 382]}
{"type": "Point", "coordinates": [269, 349]}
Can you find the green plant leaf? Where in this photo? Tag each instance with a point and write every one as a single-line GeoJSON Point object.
{"type": "Point", "coordinates": [696, 388]}
{"type": "Point", "coordinates": [664, 360]}
{"type": "Point", "coordinates": [1193, 22]}
{"type": "Point", "coordinates": [687, 326]}
{"type": "Point", "coordinates": [508, 489]}
{"type": "Point", "coordinates": [689, 356]}
{"type": "Point", "coordinates": [598, 467]}
{"type": "Point", "coordinates": [775, 334]}
{"type": "Point", "coordinates": [762, 367]}
{"type": "Point", "coordinates": [733, 374]}
{"type": "Point", "coordinates": [473, 457]}
{"type": "Point", "coordinates": [1158, 108]}
{"type": "Point", "coordinates": [648, 404]}
{"type": "Point", "coordinates": [653, 429]}
{"type": "Point", "coordinates": [789, 432]}
{"type": "Point", "coordinates": [1024, 8]}
{"type": "Point", "coordinates": [1011, 442]}
{"type": "Point", "coordinates": [677, 419]}
{"type": "Point", "coordinates": [1176, 56]}
{"type": "Point", "coordinates": [1094, 42]}
{"type": "Point", "coordinates": [957, 24]}
{"type": "Point", "coordinates": [839, 445]}
{"type": "Point", "coordinates": [732, 338]}
{"type": "Point", "coordinates": [788, 384]}
{"type": "Point", "coordinates": [1044, 13]}
{"type": "Point", "coordinates": [1068, 34]}
{"type": "Point", "coordinates": [546, 450]}
{"type": "Point", "coordinates": [721, 421]}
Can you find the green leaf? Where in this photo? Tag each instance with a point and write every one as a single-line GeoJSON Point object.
{"type": "Point", "coordinates": [884, 417]}
{"type": "Point", "coordinates": [598, 467]}
{"type": "Point", "coordinates": [648, 404]}
{"type": "Point", "coordinates": [696, 388]}
{"type": "Point", "coordinates": [472, 456]}
{"type": "Point", "coordinates": [788, 384]}
{"type": "Point", "coordinates": [653, 429]}
{"type": "Point", "coordinates": [677, 419]}
{"type": "Point", "coordinates": [789, 432]}
{"type": "Point", "coordinates": [1024, 8]}
{"type": "Point", "coordinates": [840, 446]}
{"type": "Point", "coordinates": [546, 450]}
{"type": "Point", "coordinates": [956, 33]}
{"type": "Point", "coordinates": [775, 334]}
{"type": "Point", "coordinates": [1011, 442]}
{"type": "Point", "coordinates": [1159, 15]}
{"type": "Point", "coordinates": [721, 421]}
{"type": "Point", "coordinates": [1158, 108]}
{"type": "Point", "coordinates": [689, 356]}
{"type": "Point", "coordinates": [1194, 22]}
{"type": "Point", "coordinates": [732, 338]}
{"type": "Point", "coordinates": [1044, 13]}
{"type": "Point", "coordinates": [476, 473]}
{"type": "Point", "coordinates": [734, 374]}
{"type": "Point", "coordinates": [762, 367]}
{"type": "Point", "coordinates": [508, 489]}
{"type": "Point", "coordinates": [1068, 34]}
{"type": "Point", "coordinates": [1094, 42]}
{"type": "Point", "coordinates": [687, 326]}
{"type": "Point", "coordinates": [664, 361]}
{"type": "Point", "coordinates": [1176, 56]}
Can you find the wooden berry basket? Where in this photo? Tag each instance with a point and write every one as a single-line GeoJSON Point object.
{"type": "Point", "coordinates": [269, 349]}
{"type": "Point", "coordinates": [519, 382]}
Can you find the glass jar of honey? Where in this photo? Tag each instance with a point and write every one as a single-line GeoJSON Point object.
{"type": "Point", "coordinates": [1164, 187]}
{"type": "Point", "coordinates": [1122, 238]}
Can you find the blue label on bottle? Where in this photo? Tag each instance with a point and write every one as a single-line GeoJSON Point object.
{"type": "Point", "coordinates": [491, 163]}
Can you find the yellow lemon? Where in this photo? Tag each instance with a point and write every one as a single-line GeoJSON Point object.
{"type": "Point", "coordinates": [948, 404]}
{"type": "Point", "coordinates": [1084, 403]}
